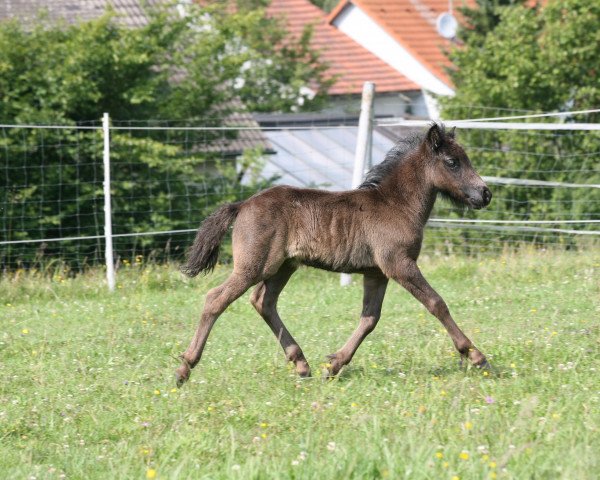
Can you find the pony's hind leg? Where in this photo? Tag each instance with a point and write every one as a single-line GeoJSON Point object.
{"type": "Point", "coordinates": [374, 291]}
{"type": "Point", "coordinates": [217, 300]}
{"type": "Point", "coordinates": [264, 299]}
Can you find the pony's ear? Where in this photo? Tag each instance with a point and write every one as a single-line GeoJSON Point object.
{"type": "Point", "coordinates": [452, 133]}
{"type": "Point", "coordinates": [435, 137]}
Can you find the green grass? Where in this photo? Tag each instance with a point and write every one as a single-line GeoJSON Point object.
{"type": "Point", "coordinates": [86, 378]}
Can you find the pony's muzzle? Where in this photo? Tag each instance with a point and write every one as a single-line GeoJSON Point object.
{"type": "Point", "coordinates": [479, 197]}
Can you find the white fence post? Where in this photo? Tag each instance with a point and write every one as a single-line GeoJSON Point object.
{"type": "Point", "coordinates": [108, 245]}
{"type": "Point", "coordinates": [362, 155]}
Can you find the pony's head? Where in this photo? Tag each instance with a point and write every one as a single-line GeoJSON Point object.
{"type": "Point", "coordinates": [450, 171]}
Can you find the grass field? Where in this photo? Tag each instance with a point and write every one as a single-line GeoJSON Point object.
{"type": "Point", "coordinates": [86, 378]}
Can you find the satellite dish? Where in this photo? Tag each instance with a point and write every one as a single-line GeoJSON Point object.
{"type": "Point", "coordinates": [447, 25]}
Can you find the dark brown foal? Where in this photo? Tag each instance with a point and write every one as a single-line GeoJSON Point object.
{"type": "Point", "coordinates": [376, 230]}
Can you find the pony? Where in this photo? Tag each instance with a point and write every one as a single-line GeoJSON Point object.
{"type": "Point", "coordinates": [375, 230]}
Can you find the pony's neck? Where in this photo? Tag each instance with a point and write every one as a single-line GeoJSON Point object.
{"type": "Point", "coordinates": [411, 190]}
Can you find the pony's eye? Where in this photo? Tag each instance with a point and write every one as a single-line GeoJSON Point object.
{"type": "Point", "coordinates": [451, 162]}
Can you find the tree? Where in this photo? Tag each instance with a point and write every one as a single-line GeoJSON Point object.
{"type": "Point", "coordinates": [540, 60]}
{"type": "Point", "coordinates": [534, 59]}
{"type": "Point", "coordinates": [199, 68]}
{"type": "Point", "coordinates": [481, 18]}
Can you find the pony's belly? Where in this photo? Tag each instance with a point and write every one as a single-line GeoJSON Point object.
{"type": "Point", "coordinates": [339, 268]}
{"type": "Point", "coordinates": [343, 259]}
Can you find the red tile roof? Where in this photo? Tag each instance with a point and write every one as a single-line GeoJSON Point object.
{"type": "Point", "coordinates": [349, 61]}
{"type": "Point", "coordinates": [412, 23]}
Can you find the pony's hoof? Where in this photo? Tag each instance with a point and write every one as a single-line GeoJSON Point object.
{"type": "Point", "coordinates": [332, 367]}
{"type": "Point", "coordinates": [484, 366]}
{"type": "Point", "coordinates": [303, 370]}
{"type": "Point", "coordinates": [182, 374]}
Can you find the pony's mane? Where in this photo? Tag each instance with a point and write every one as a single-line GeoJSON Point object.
{"type": "Point", "coordinates": [396, 155]}
{"type": "Point", "coordinates": [392, 159]}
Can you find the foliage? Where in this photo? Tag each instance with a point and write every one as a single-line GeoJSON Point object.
{"type": "Point", "coordinates": [198, 68]}
{"type": "Point", "coordinates": [522, 59]}
{"type": "Point", "coordinates": [481, 18]}
{"type": "Point", "coordinates": [326, 5]}
{"type": "Point", "coordinates": [86, 377]}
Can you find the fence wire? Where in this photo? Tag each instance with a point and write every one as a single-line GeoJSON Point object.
{"type": "Point", "coordinates": [167, 177]}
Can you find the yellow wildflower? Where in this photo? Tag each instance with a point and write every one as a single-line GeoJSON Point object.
{"type": "Point", "coordinates": [25, 331]}
{"type": "Point", "coordinates": [150, 473]}
{"type": "Point", "coordinates": [144, 451]}
{"type": "Point", "coordinates": [439, 455]}
{"type": "Point", "coordinates": [492, 464]}
{"type": "Point", "coordinates": [463, 455]}
{"type": "Point", "coordinates": [445, 464]}
{"type": "Point", "coordinates": [157, 392]}
{"type": "Point", "coordinates": [468, 425]}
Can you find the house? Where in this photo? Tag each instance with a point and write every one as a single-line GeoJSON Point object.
{"type": "Point", "coordinates": [403, 34]}
{"type": "Point", "coordinates": [351, 64]}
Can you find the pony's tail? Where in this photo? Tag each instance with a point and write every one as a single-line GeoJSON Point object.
{"type": "Point", "coordinates": [202, 256]}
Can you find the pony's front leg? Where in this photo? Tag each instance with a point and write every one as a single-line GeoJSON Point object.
{"type": "Point", "coordinates": [408, 275]}
{"type": "Point", "coordinates": [374, 291]}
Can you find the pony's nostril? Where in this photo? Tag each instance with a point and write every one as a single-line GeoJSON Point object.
{"type": "Point", "coordinates": [487, 195]}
